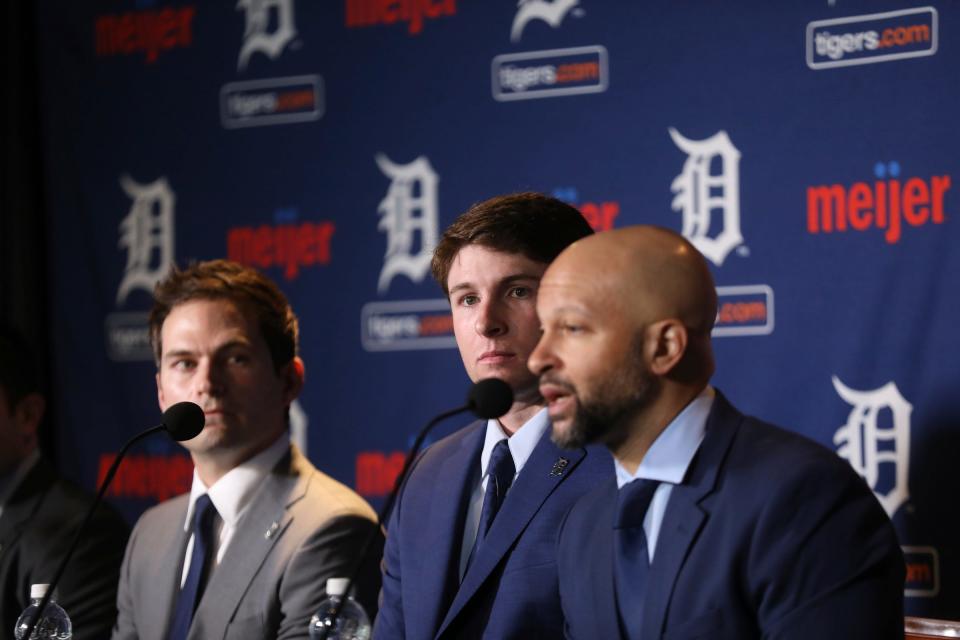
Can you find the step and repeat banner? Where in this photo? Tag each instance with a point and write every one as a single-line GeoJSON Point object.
{"type": "Point", "coordinates": [808, 149]}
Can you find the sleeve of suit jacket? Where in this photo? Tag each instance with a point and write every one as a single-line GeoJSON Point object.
{"type": "Point", "coordinates": [389, 624]}
{"type": "Point", "coordinates": [826, 562]}
{"type": "Point", "coordinates": [125, 628]}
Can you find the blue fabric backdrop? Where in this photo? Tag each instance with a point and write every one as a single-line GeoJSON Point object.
{"type": "Point", "coordinates": [808, 149]}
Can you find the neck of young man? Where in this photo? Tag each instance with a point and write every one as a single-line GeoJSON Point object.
{"type": "Point", "coordinates": [520, 413]}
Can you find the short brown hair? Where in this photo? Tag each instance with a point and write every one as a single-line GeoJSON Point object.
{"type": "Point", "coordinates": [247, 288]}
{"type": "Point", "coordinates": [531, 224]}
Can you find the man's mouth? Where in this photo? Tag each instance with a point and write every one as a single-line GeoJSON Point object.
{"type": "Point", "coordinates": [560, 398]}
{"type": "Point", "coordinates": [496, 357]}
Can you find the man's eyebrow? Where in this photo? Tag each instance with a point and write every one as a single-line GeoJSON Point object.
{"type": "Point", "coordinates": [516, 277]}
{"type": "Point", "coordinates": [179, 353]}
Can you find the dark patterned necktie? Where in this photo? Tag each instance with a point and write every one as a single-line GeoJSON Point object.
{"type": "Point", "coordinates": [631, 559]}
{"type": "Point", "coordinates": [204, 516]}
{"type": "Point", "coordinates": [500, 472]}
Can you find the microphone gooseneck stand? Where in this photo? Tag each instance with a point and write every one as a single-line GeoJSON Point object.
{"type": "Point", "coordinates": [490, 398]}
{"type": "Point", "coordinates": [181, 421]}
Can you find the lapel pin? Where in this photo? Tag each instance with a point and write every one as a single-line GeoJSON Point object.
{"type": "Point", "coordinates": [272, 530]}
{"type": "Point", "coordinates": [559, 466]}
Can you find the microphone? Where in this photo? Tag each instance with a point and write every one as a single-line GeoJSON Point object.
{"type": "Point", "coordinates": [489, 398]}
{"type": "Point", "coordinates": [182, 421]}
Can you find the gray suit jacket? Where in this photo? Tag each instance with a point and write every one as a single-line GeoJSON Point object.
{"type": "Point", "coordinates": [301, 528]}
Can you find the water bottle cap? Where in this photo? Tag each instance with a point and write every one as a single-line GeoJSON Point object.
{"type": "Point", "coordinates": [38, 590]}
{"type": "Point", "coordinates": [336, 586]}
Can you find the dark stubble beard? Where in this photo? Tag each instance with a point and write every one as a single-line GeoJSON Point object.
{"type": "Point", "coordinates": [606, 416]}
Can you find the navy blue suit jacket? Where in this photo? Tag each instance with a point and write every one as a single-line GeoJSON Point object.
{"type": "Point", "coordinates": [770, 535]}
{"type": "Point", "coordinates": [510, 589]}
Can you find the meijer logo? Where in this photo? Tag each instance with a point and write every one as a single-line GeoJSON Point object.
{"type": "Point", "coordinates": [148, 31]}
{"type": "Point", "coordinates": [876, 37]}
{"type": "Point", "coordinates": [369, 13]}
{"type": "Point", "coordinates": [290, 246]}
{"type": "Point", "coordinates": [886, 204]}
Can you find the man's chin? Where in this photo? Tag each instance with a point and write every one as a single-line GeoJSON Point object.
{"type": "Point", "coordinates": [563, 434]}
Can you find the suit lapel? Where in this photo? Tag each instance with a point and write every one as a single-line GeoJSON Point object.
{"type": "Point", "coordinates": [444, 528]}
{"type": "Point", "coordinates": [533, 486]}
{"type": "Point", "coordinates": [685, 516]}
{"type": "Point", "coordinates": [256, 533]}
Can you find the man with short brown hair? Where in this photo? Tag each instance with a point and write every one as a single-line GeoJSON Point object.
{"type": "Point", "coordinates": [471, 541]}
{"type": "Point", "coordinates": [249, 549]}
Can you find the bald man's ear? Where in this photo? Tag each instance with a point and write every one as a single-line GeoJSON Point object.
{"type": "Point", "coordinates": [667, 340]}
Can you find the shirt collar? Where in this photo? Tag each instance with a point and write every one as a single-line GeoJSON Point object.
{"type": "Point", "coordinates": [231, 493]}
{"type": "Point", "coordinates": [521, 443]}
{"type": "Point", "coordinates": [670, 454]}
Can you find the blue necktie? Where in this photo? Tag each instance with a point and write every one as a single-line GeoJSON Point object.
{"type": "Point", "coordinates": [203, 518]}
{"type": "Point", "coordinates": [500, 472]}
{"type": "Point", "coordinates": [631, 560]}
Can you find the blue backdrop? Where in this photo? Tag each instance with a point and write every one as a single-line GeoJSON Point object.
{"type": "Point", "coordinates": [806, 148]}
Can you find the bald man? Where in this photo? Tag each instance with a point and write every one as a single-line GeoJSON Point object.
{"type": "Point", "coordinates": [717, 525]}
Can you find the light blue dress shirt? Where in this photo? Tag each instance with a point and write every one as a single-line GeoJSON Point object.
{"type": "Point", "coordinates": [667, 460]}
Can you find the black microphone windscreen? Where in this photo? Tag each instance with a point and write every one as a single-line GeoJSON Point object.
{"type": "Point", "coordinates": [490, 398]}
{"type": "Point", "coordinates": [184, 421]}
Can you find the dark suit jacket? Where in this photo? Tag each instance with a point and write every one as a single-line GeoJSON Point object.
{"type": "Point", "coordinates": [36, 529]}
{"type": "Point", "coordinates": [770, 535]}
{"type": "Point", "coordinates": [510, 589]}
{"type": "Point", "coordinates": [301, 528]}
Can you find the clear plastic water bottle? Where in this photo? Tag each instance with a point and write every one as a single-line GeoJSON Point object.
{"type": "Point", "coordinates": [55, 624]}
{"type": "Point", "coordinates": [352, 623]}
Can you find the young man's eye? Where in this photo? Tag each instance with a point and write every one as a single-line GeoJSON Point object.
{"type": "Point", "coordinates": [183, 365]}
{"type": "Point", "coordinates": [521, 292]}
{"type": "Point", "coordinates": [469, 300]}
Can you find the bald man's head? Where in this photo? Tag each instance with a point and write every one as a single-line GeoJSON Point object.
{"type": "Point", "coordinates": [654, 272]}
{"type": "Point", "coordinates": [625, 315]}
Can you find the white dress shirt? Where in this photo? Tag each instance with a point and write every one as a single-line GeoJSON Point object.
{"type": "Point", "coordinates": [668, 459]}
{"type": "Point", "coordinates": [522, 444]}
{"type": "Point", "coordinates": [230, 495]}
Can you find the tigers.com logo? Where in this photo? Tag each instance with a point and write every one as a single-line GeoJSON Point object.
{"type": "Point", "coordinates": [876, 37]}
{"type": "Point", "coordinates": [548, 74]}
